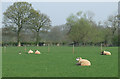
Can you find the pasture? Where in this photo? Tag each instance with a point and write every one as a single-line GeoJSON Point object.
{"type": "Point", "coordinates": [58, 62]}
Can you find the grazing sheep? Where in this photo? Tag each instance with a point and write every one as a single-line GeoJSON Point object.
{"type": "Point", "coordinates": [105, 53]}
{"type": "Point", "coordinates": [30, 51]}
{"type": "Point", "coordinates": [37, 52]}
{"type": "Point", "coordinates": [83, 62]}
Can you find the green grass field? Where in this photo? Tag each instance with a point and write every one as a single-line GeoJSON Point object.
{"type": "Point", "coordinates": [59, 62]}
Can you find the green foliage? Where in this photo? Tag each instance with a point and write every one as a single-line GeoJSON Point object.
{"type": "Point", "coordinates": [22, 14]}
{"type": "Point", "coordinates": [84, 30]}
{"type": "Point", "coordinates": [81, 28]}
{"type": "Point", "coordinates": [38, 20]}
{"type": "Point", "coordinates": [71, 20]}
{"type": "Point", "coordinates": [115, 40]}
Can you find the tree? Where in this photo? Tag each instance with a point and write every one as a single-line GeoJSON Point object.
{"type": "Point", "coordinates": [17, 15]}
{"type": "Point", "coordinates": [111, 30]}
{"type": "Point", "coordinates": [113, 23]}
{"type": "Point", "coordinates": [90, 15]}
{"type": "Point", "coordinates": [80, 26]}
{"type": "Point", "coordinates": [55, 35]}
{"type": "Point", "coordinates": [38, 22]}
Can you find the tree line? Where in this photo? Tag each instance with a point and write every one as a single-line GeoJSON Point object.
{"type": "Point", "coordinates": [23, 24]}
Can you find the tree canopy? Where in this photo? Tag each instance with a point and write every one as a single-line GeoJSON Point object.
{"type": "Point", "coordinates": [17, 15]}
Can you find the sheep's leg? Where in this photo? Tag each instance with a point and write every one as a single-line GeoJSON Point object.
{"type": "Point", "coordinates": [78, 63]}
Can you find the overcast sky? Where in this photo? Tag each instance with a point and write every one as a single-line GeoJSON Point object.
{"type": "Point", "coordinates": [59, 11]}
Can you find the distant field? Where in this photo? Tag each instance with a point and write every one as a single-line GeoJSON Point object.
{"type": "Point", "coordinates": [59, 62]}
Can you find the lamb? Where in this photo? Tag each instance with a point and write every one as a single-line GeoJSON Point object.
{"type": "Point", "coordinates": [30, 51]}
{"type": "Point", "coordinates": [83, 62]}
{"type": "Point", "coordinates": [37, 52]}
{"type": "Point", "coordinates": [105, 53]}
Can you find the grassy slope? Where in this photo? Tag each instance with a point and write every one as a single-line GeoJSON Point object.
{"type": "Point", "coordinates": [60, 61]}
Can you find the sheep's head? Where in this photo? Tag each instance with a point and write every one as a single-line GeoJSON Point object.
{"type": "Point", "coordinates": [78, 59]}
{"type": "Point", "coordinates": [102, 53]}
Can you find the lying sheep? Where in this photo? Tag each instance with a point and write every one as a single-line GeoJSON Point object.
{"type": "Point", "coordinates": [30, 51]}
{"type": "Point", "coordinates": [105, 53]}
{"type": "Point", "coordinates": [37, 52]}
{"type": "Point", "coordinates": [83, 62]}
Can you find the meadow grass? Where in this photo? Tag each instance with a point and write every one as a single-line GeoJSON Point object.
{"type": "Point", "coordinates": [59, 62]}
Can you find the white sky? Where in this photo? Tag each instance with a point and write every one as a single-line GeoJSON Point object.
{"type": "Point", "coordinates": [59, 11]}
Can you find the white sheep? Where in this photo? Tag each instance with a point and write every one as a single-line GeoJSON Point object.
{"type": "Point", "coordinates": [105, 53]}
{"type": "Point", "coordinates": [83, 62]}
{"type": "Point", "coordinates": [37, 52]}
{"type": "Point", "coordinates": [30, 51]}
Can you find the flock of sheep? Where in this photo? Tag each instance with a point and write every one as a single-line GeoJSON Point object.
{"type": "Point", "coordinates": [36, 52]}
{"type": "Point", "coordinates": [81, 62]}
{"type": "Point", "coordinates": [30, 51]}
{"type": "Point", "coordinates": [85, 62]}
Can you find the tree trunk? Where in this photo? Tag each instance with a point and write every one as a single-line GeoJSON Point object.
{"type": "Point", "coordinates": [37, 38]}
{"type": "Point", "coordinates": [18, 38]}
